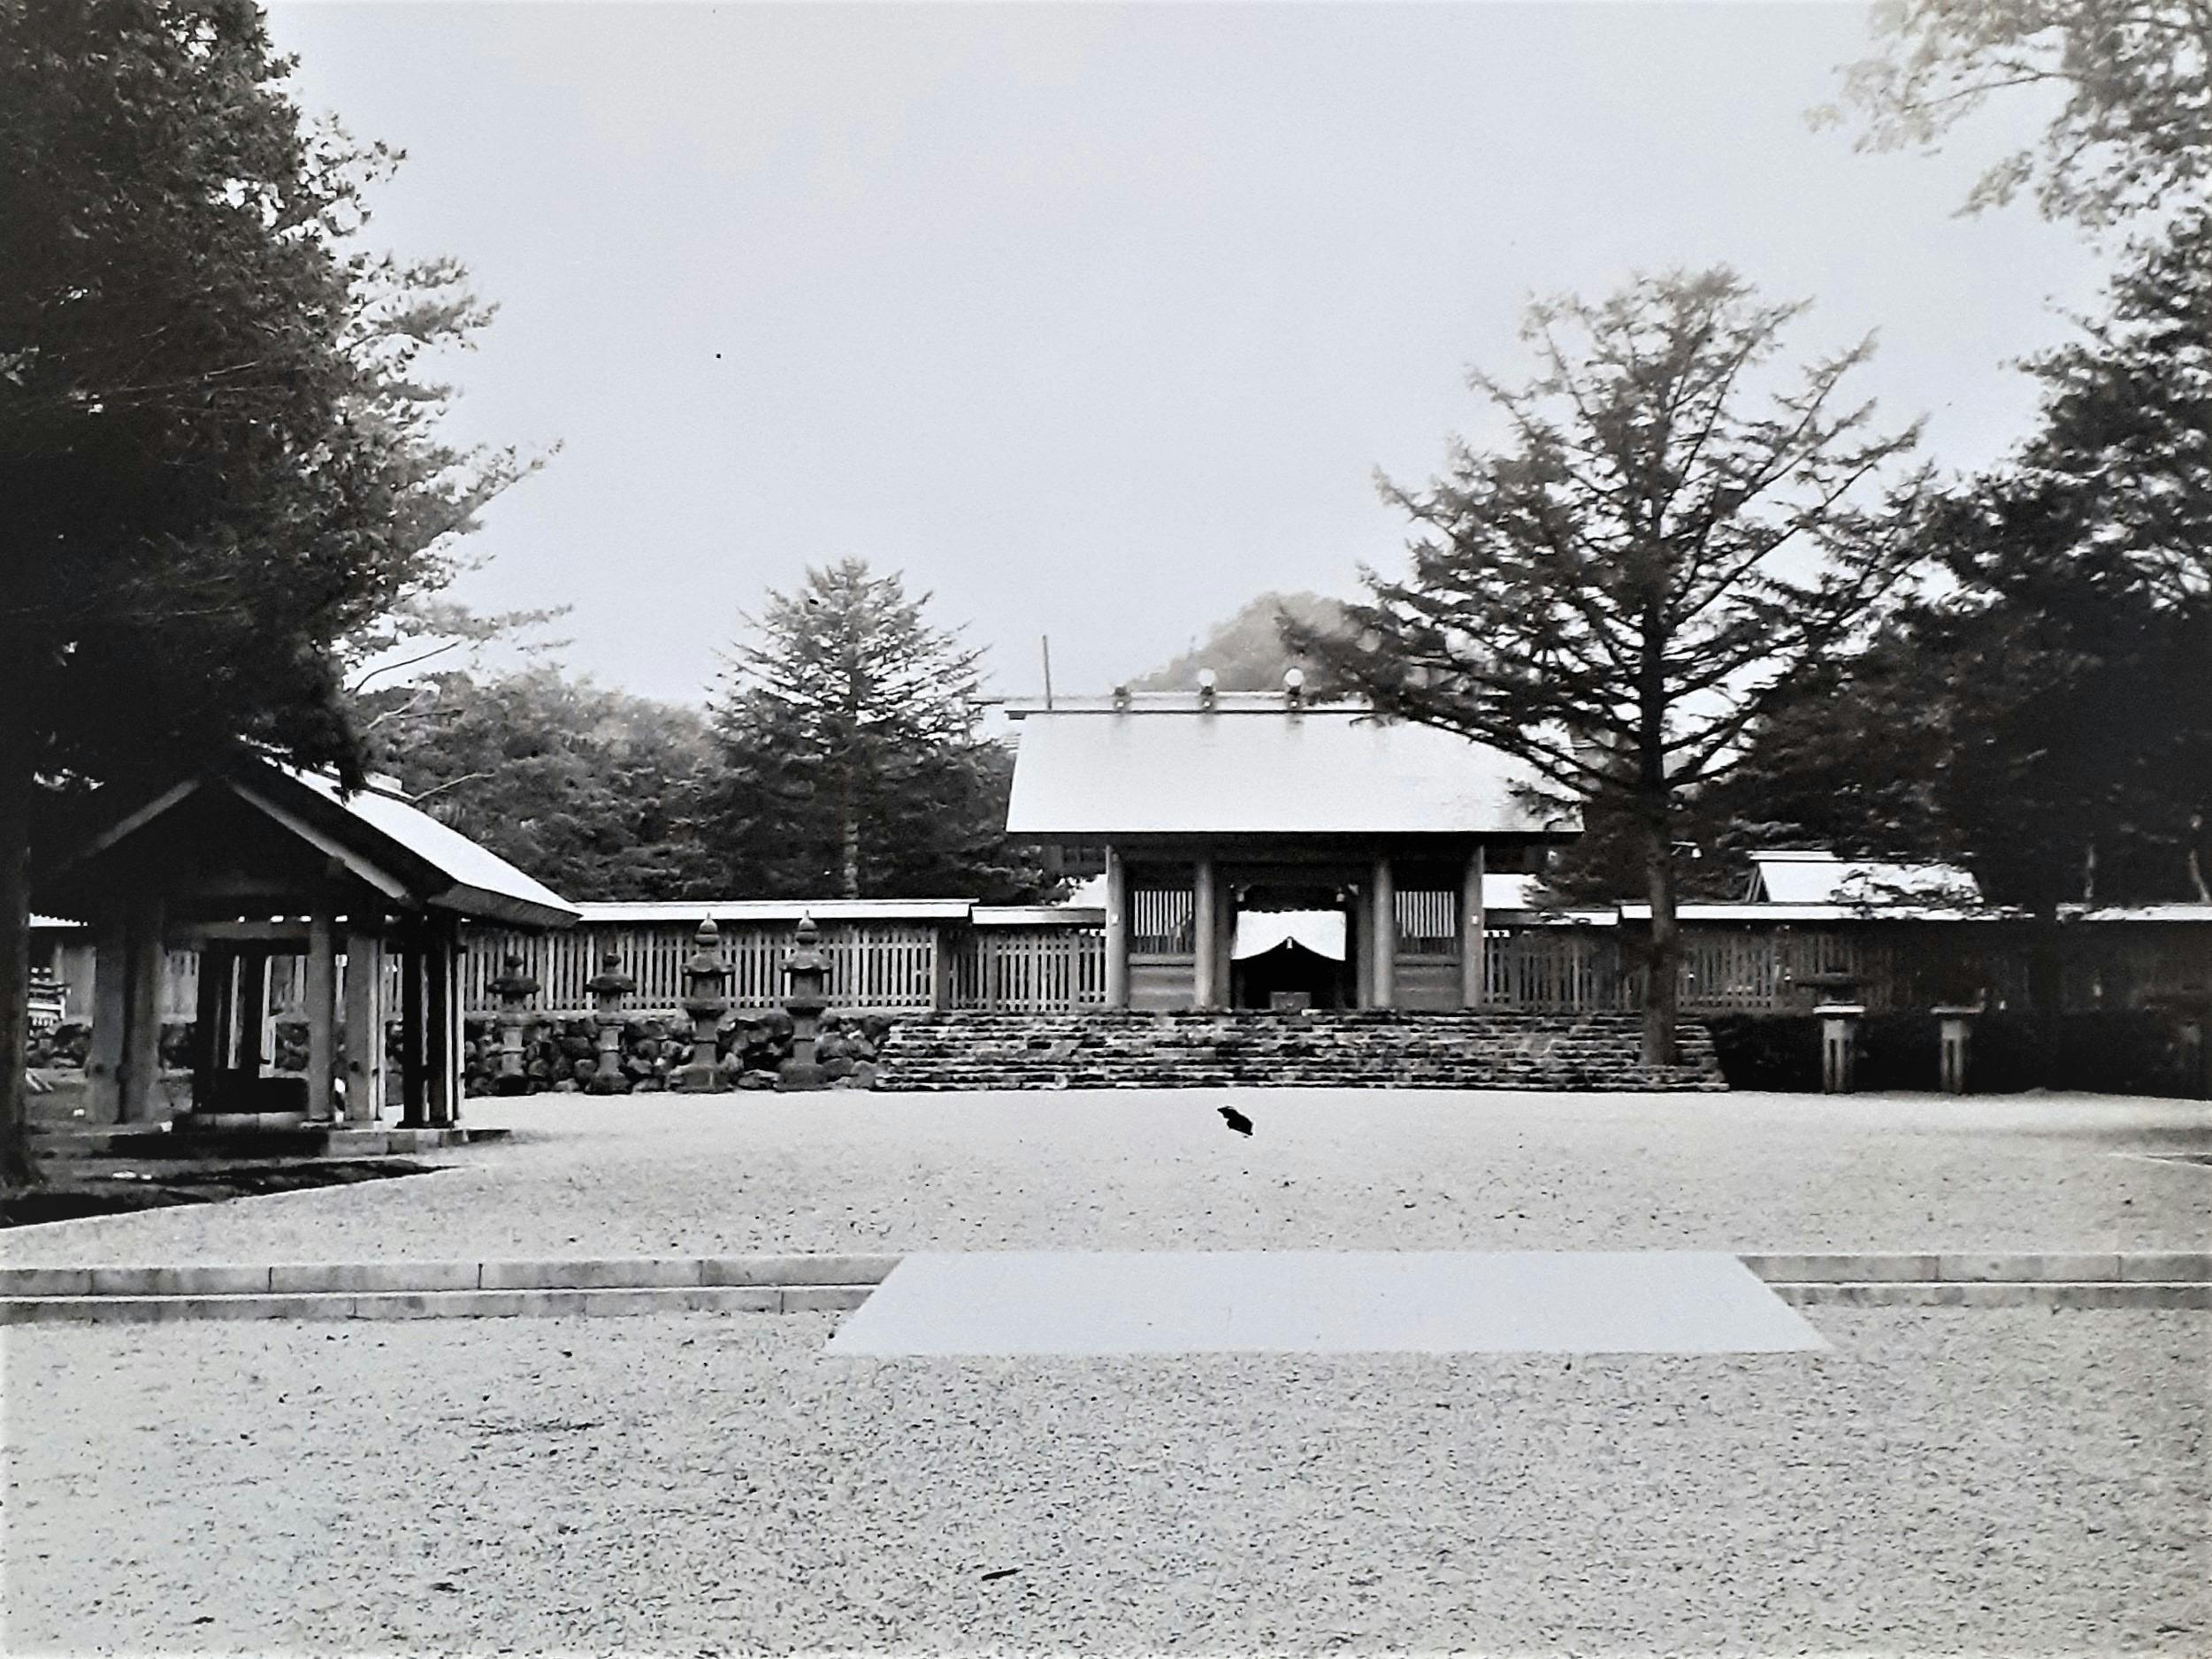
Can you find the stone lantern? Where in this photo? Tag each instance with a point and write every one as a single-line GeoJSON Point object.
{"type": "Point", "coordinates": [608, 987]}
{"type": "Point", "coordinates": [808, 971]}
{"type": "Point", "coordinates": [705, 974]}
{"type": "Point", "coordinates": [513, 989]}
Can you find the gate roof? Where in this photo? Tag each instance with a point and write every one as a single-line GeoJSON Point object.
{"type": "Point", "coordinates": [1258, 765]}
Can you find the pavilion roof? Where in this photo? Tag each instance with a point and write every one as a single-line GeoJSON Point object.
{"type": "Point", "coordinates": [1256, 764]}
{"type": "Point", "coordinates": [396, 848]}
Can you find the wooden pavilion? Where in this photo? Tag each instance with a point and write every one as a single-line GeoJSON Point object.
{"type": "Point", "coordinates": [1265, 851]}
{"type": "Point", "coordinates": [250, 863]}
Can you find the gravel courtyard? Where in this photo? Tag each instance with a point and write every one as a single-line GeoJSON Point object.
{"type": "Point", "coordinates": [2013, 1481]}
{"type": "Point", "coordinates": [1351, 1170]}
{"type": "Point", "coordinates": [2023, 1481]}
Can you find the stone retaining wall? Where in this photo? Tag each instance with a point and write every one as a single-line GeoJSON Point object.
{"type": "Point", "coordinates": [1378, 1048]}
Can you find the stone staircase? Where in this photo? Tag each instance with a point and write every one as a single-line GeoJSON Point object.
{"type": "Point", "coordinates": [1365, 1049]}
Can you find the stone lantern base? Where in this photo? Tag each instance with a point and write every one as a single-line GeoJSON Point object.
{"type": "Point", "coordinates": [802, 1075]}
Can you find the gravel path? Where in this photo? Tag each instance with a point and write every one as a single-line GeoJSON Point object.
{"type": "Point", "coordinates": [1129, 1171]}
{"type": "Point", "coordinates": [2023, 1482]}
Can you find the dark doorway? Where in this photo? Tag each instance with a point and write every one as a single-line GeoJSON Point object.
{"type": "Point", "coordinates": [1297, 976]}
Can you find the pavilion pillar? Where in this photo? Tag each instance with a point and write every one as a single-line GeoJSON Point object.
{"type": "Point", "coordinates": [140, 1082]}
{"type": "Point", "coordinates": [365, 1024]}
{"type": "Point", "coordinates": [414, 1080]}
{"type": "Point", "coordinates": [456, 1022]}
{"type": "Point", "coordinates": [321, 988]}
{"type": "Point", "coordinates": [110, 1006]}
{"type": "Point", "coordinates": [210, 1023]}
{"type": "Point", "coordinates": [1117, 931]}
{"type": "Point", "coordinates": [1206, 920]}
{"type": "Point", "coordinates": [1473, 982]}
{"type": "Point", "coordinates": [441, 1051]}
{"type": "Point", "coordinates": [1382, 931]}
{"type": "Point", "coordinates": [250, 1025]}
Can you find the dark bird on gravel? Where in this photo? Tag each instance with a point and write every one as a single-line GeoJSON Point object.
{"type": "Point", "coordinates": [1235, 1119]}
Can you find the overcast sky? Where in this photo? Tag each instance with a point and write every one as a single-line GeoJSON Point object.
{"type": "Point", "coordinates": [1097, 321]}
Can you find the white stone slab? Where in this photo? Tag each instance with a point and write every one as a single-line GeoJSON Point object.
{"type": "Point", "coordinates": [1333, 1301]}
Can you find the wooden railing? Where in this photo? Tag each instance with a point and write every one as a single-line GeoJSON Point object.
{"type": "Point", "coordinates": [887, 968]}
{"type": "Point", "coordinates": [1555, 969]}
{"type": "Point", "coordinates": [1029, 970]}
{"type": "Point", "coordinates": [1742, 967]}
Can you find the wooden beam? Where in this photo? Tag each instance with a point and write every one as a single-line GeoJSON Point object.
{"type": "Point", "coordinates": [1382, 978]}
{"type": "Point", "coordinates": [1473, 967]}
{"type": "Point", "coordinates": [322, 1018]}
{"type": "Point", "coordinates": [941, 947]}
{"type": "Point", "coordinates": [1117, 931]}
{"type": "Point", "coordinates": [190, 935]}
{"type": "Point", "coordinates": [364, 1027]}
{"type": "Point", "coordinates": [441, 1068]}
{"type": "Point", "coordinates": [374, 875]}
{"type": "Point", "coordinates": [456, 1029]}
{"type": "Point", "coordinates": [250, 1022]}
{"type": "Point", "coordinates": [1359, 944]}
{"type": "Point", "coordinates": [130, 825]}
{"type": "Point", "coordinates": [141, 1096]}
{"type": "Point", "coordinates": [210, 1024]}
{"type": "Point", "coordinates": [414, 1086]}
{"type": "Point", "coordinates": [110, 1006]}
{"type": "Point", "coordinates": [1206, 917]}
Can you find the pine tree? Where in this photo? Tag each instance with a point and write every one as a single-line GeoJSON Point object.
{"type": "Point", "coordinates": [1621, 593]}
{"type": "Point", "coordinates": [853, 763]}
{"type": "Point", "coordinates": [218, 447]}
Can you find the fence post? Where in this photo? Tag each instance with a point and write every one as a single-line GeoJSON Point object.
{"type": "Point", "coordinates": [1839, 1046]}
{"type": "Point", "coordinates": [941, 948]}
{"type": "Point", "coordinates": [1956, 1036]}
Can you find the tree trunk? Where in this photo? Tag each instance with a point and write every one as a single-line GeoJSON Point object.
{"type": "Point", "coordinates": [1662, 988]}
{"type": "Point", "coordinates": [849, 839]}
{"type": "Point", "coordinates": [19, 1165]}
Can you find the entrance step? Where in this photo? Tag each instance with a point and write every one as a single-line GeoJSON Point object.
{"type": "Point", "coordinates": [1361, 1048]}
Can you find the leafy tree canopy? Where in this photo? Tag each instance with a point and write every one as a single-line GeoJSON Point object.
{"type": "Point", "coordinates": [218, 449]}
{"type": "Point", "coordinates": [2132, 132]}
{"type": "Point", "coordinates": [597, 793]}
{"type": "Point", "coordinates": [1247, 653]}
{"type": "Point", "coordinates": [2044, 711]}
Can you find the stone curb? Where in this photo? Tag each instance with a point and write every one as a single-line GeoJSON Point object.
{"type": "Point", "coordinates": [1980, 1266]}
{"type": "Point", "coordinates": [448, 1304]}
{"type": "Point", "coordinates": [831, 1282]}
{"type": "Point", "coordinates": [620, 1273]}
{"type": "Point", "coordinates": [2016, 1294]}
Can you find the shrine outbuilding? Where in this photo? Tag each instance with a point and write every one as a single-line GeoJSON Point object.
{"type": "Point", "coordinates": [256, 869]}
{"type": "Point", "coordinates": [1265, 852]}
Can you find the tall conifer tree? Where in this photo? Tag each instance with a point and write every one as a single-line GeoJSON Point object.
{"type": "Point", "coordinates": [1666, 536]}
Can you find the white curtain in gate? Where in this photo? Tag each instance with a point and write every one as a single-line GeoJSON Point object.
{"type": "Point", "coordinates": [1320, 931]}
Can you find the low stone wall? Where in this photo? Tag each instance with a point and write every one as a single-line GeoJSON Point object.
{"type": "Point", "coordinates": [63, 1048]}
{"type": "Point", "coordinates": [1355, 1048]}
{"type": "Point", "coordinates": [561, 1056]}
